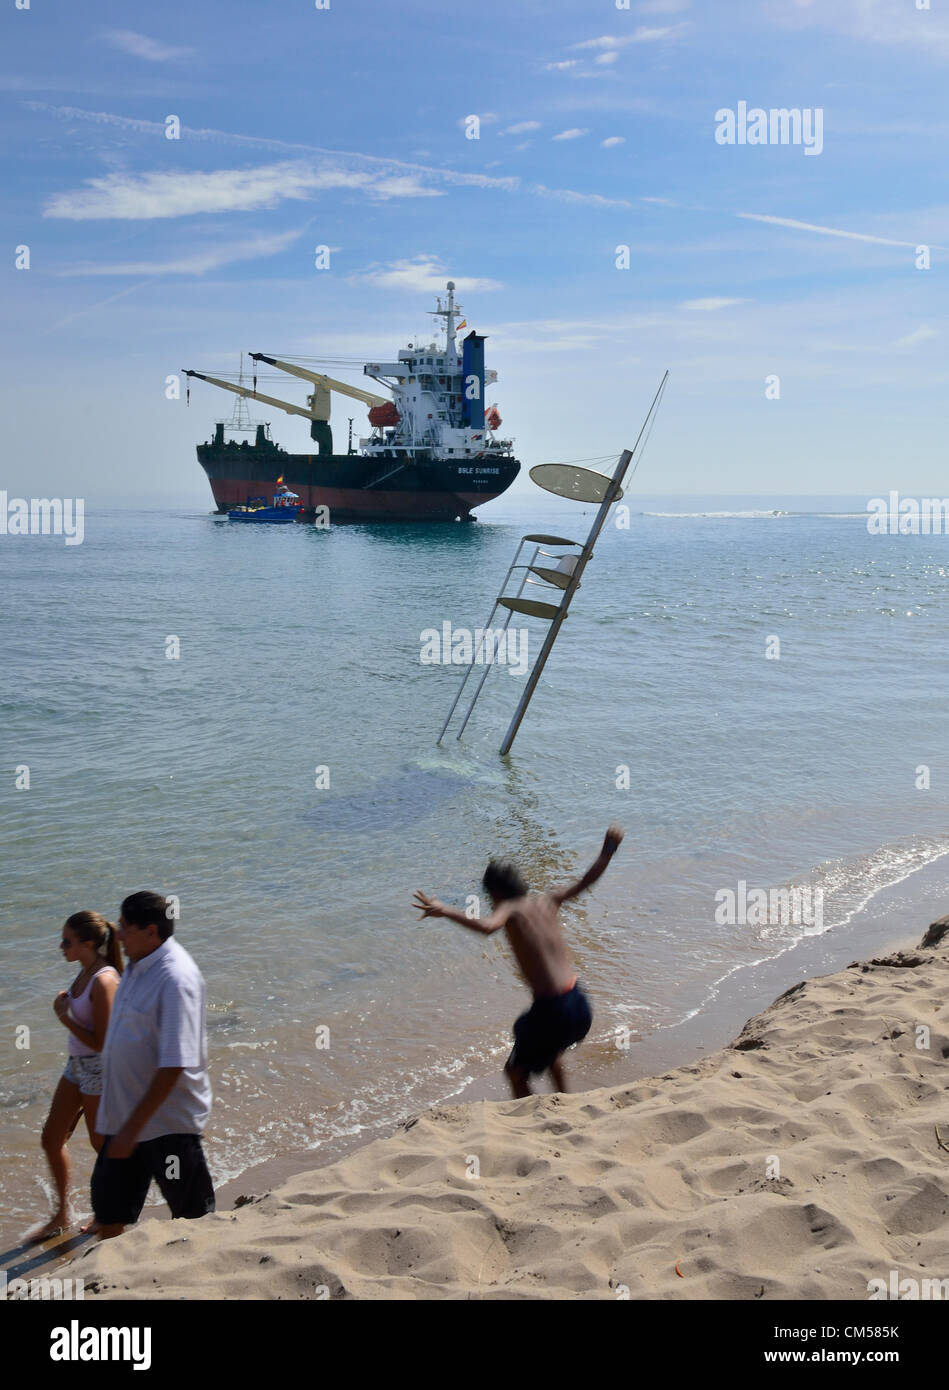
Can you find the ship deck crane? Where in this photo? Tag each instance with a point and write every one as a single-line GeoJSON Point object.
{"type": "Point", "coordinates": [249, 395]}
{"type": "Point", "coordinates": [317, 408]}
{"type": "Point", "coordinates": [324, 385]}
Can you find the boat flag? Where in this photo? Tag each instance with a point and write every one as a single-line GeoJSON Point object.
{"type": "Point", "coordinates": [280, 479]}
{"type": "Point", "coordinates": [460, 326]}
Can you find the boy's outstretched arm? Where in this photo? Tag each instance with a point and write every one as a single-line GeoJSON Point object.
{"type": "Point", "coordinates": [431, 907]}
{"type": "Point", "coordinates": [611, 843]}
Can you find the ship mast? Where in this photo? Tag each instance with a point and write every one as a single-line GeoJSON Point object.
{"type": "Point", "coordinates": [448, 314]}
{"type": "Point", "coordinates": [240, 422]}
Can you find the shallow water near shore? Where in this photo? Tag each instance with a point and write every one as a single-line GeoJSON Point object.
{"type": "Point", "coordinates": [300, 650]}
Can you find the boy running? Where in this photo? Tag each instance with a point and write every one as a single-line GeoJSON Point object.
{"type": "Point", "coordinates": [560, 1015]}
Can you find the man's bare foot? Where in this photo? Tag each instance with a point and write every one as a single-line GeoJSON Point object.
{"type": "Point", "coordinates": [90, 1228]}
{"type": "Point", "coordinates": [109, 1232]}
{"type": "Point", "coordinates": [55, 1226]}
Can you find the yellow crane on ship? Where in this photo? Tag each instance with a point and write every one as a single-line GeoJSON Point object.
{"type": "Point", "coordinates": [319, 400]}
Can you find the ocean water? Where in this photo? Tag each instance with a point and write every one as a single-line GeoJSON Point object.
{"type": "Point", "coordinates": [300, 650]}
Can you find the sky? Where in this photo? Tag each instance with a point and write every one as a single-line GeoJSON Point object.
{"type": "Point", "coordinates": [347, 125]}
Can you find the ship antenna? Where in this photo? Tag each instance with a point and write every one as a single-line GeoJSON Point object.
{"type": "Point", "coordinates": [450, 319]}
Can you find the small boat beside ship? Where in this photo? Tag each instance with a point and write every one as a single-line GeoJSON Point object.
{"type": "Point", "coordinates": [285, 507]}
{"type": "Point", "coordinates": [434, 452]}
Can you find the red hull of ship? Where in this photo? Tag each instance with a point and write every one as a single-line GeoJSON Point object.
{"type": "Point", "coordinates": [357, 504]}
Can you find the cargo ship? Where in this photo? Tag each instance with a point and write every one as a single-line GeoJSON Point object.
{"type": "Point", "coordinates": [434, 452]}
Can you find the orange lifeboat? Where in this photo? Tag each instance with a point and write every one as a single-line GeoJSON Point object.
{"type": "Point", "coordinates": [492, 418]}
{"type": "Point", "coordinates": [383, 415]}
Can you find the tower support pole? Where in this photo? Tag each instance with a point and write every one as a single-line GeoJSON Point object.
{"type": "Point", "coordinates": [610, 496]}
{"type": "Point", "coordinates": [557, 622]}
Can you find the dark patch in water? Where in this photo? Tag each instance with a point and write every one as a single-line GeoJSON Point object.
{"type": "Point", "coordinates": [408, 796]}
{"type": "Point", "coordinates": [24, 1093]}
{"type": "Point", "coordinates": [222, 1023]}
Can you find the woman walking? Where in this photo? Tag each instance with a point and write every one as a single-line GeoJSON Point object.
{"type": "Point", "coordinates": [89, 941]}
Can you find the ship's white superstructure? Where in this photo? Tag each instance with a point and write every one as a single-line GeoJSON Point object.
{"type": "Point", "coordinates": [438, 398]}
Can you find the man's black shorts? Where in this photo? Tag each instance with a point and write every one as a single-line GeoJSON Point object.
{"type": "Point", "coordinates": [175, 1161]}
{"type": "Point", "coordinates": [548, 1027]}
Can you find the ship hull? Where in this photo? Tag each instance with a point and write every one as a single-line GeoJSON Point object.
{"type": "Point", "coordinates": [354, 487]}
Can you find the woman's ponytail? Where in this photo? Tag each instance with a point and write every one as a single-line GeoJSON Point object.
{"type": "Point", "coordinates": [112, 950]}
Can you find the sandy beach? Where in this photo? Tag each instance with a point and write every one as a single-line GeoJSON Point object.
{"type": "Point", "coordinates": [806, 1159]}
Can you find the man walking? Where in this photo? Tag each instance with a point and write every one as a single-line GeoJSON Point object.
{"type": "Point", "coordinates": [156, 1096]}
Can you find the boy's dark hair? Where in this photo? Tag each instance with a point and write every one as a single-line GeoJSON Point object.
{"type": "Point", "coordinates": [139, 909]}
{"type": "Point", "coordinates": [502, 880]}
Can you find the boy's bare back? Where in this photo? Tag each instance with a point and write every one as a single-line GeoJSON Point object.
{"type": "Point", "coordinates": [532, 926]}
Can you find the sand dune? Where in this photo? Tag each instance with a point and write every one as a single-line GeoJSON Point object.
{"type": "Point", "coordinates": [800, 1162]}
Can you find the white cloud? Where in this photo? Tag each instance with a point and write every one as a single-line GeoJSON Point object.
{"type": "Point", "coordinates": [708, 306]}
{"type": "Point", "coordinates": [401, 186]}
{"type": "Point", "coordinates": [573, 134]}
{"type": "Point", "coordinates": [198, 262]}
{"type": "Point", "coordinates": [562, 67]}
{"type": "Point", "coordinates": [262, 142]}
{"type": "Point", "coordinates": [181, 194]}
{"type": "Point", "coordinates": [421, 274]}
{"type": "Point", "coordinates": [640, 35]}
{"type": "Point", "coordinates": [166, 195]}
{"type": "Point", "coordinates": [485, 117]}
{"type": "Point", "coordinates": [530, 337]}
{"type": "Point", "coordinates": [140, 46]}
{"type": "Point", "coordinates": [604, 41]}
{"type": "Point", "coordinates": [919, 335]}
{"type": "Point", "coordinates": [869, 21]}
{"type": "Point", "coordinates": [567, 195]}
{"type": "Point", "coordinates": [609, 57]}
{"type": "Point", "coordinates": [521, 128]}
{"type": "Point", "coordinates": [612, 140]}
{"type": "Point", "coordinates": [825, 231]}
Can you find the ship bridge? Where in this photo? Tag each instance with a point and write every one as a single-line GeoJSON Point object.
{"type": "Point", "coordinates": [439, 394]}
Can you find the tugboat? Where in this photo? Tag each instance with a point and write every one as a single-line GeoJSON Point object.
{"type": "Point", "coordinates": [286, 507]}
{"type": "Point", "coordinates": [434, 452]}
